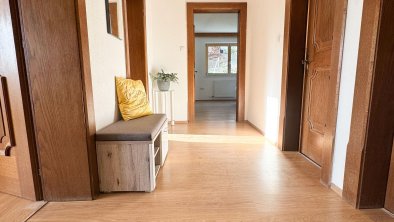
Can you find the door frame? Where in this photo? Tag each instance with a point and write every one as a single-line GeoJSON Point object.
{"type": "Point", "coordinates": [296, 25]}
{"type": "Point", "coordinates": [134, 26]}
{"type": "Point", "coordinates": [371, 133]}
{"type": "Point", "coordinates": [241, 9]}
{"type": "Point", "coordinates": [27, 157]}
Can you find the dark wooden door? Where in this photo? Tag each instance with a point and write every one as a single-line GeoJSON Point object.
{"type": "Point", "coordinates": [317, 78]}
{"type": "Point", "coordinates": [16, 159]}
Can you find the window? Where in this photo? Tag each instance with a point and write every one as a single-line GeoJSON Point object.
{"type": "Point", "coordinates": [222, 59]}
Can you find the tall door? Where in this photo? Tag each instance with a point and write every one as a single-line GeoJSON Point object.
{"type": "Point", "coordinates": [317, 78]}
{"type": "Point", "coordinates": [16, 170]}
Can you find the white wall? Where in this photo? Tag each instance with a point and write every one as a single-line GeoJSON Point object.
{"type": "Point", "coordinates": [107, 59]}
{"type": "Point", "coordinates": [348, 78]}
{"type": "Point", "coordinates": [204, 83]}
{"type": "Point", "coordinates": [167, 42]}
{"type": "Point", "coordinates": [265, 53]}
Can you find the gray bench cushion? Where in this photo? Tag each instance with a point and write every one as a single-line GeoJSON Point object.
{"type": "Point", "coordinates": [141, 129]}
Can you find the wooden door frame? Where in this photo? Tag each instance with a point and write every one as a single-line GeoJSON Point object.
{"type": "Point", "coordinates": [296, 20]}
{"type": "Point", "coordinates": [371, 134]}
{"type": "Point", "coordinates": [134, 24]}
{"type": "Point", "coordinates": [236, 7]}
{"type": "Point", "coordinates": [27, 157]}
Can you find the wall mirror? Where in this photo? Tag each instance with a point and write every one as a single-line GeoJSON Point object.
{"type": "Point", "coordinates": [114, 13]}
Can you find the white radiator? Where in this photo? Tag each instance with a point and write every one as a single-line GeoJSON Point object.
{"type": "Point", "coordinates": [225, 89]}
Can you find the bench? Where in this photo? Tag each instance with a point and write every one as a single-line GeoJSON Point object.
{"type": "Point", "coordinates": [131, 153]}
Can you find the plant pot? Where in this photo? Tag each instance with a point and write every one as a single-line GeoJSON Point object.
{"type": "Point", "coordinates": [163, 85]}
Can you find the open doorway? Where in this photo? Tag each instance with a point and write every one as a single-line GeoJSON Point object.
{"type": "Point", "coordinates": [216, 61]}
{"type": "Point", "coordinates": [216, 66]}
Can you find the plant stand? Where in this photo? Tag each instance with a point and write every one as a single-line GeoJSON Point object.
{"type": "Point", "coordinates": [160, 103]}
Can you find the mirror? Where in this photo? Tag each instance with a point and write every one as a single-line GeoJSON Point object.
{"type": "Point", "coordinates": [114, 12]}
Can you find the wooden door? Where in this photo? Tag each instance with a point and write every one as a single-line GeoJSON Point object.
{"type": "Point", "coordinates": [16, 159]}
{"type": "Point", "coordinates": [317, 78]}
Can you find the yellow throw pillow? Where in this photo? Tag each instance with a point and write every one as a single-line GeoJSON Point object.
{"type": "Point", "coordinates": [132, 99]}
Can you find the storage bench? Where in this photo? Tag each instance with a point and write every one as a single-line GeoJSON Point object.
{"type": "Point", "coordinates": [130, 153]}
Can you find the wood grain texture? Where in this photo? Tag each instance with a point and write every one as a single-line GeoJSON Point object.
{"type": "Point", "coordinates": [335, 76]}
{"type": "Point", "coordinates": [124, 167]}
{"type": "Point", "coordinates": [7, 140]}
{"type": "Point", "coordinates": [240, 8]}
{"type": "Point", "coordinates": [135, 40]}
{"type": "Point", "coordinates": [25, 184]}
{"type": "Point", "coordinates": [53, 59]}
{"type": "Point", "coordinates": [296, 16]}
{"type": "Point", "coordinates": [15, 209]}
{"type": "Point", "coordinates": [293, 81]}
{"type": "Point", "coordinates": [222, 171]}
{"type": "Point", "coordinates": [317, 78]}
{"type": "Point", "coordinates": [191, 49]}
{"type": "Point", "coordinates": [88, 95]}
{"type": "Point", "coordinates": [389, 202]}
{"type": "Point", "coordinates": [321, 82]}
{"type": "Point", "coordinates": [9, 178]}
{"type": "Point", "coordinates": [113, 13]}
{"type": "Point", "coordinates": [371, 135]}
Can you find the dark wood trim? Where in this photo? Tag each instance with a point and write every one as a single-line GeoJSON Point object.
{"type": "Point", "coordinates": [56, 84]}
{"type": "Point", "coordinates": [240, 8]}
{"type": "Point", "coordinates": [293, 80]}
{"type": "Point", "coordinates": [389, 202]}
{"type": "Point", "coordinates": [371, 135]}
{"type": "Point", "coordinates": [135, 40]}
{"type": "Point", "coordinates": [30, 180]}
{"type": "Point", "coordinates": [215, 34]}
{"type": "Point", "coordinates": [88, 95]}
{"type": "Point", "coordinates": [296, 17]}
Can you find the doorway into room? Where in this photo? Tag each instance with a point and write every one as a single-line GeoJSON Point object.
{"type": "Point", "coordinates": [216, 61]}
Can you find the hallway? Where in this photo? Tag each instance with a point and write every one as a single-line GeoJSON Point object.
{"type": "Point", "coordinates": [215, 110]}
{"type": "Point", "coordinates": [221, 171]}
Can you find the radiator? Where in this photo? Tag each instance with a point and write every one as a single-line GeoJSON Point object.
{"type": "Point", "coordinates": [225, 89]}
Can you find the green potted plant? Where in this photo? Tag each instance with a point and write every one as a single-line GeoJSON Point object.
{"type": "Point", "coordinates": [164, 79]}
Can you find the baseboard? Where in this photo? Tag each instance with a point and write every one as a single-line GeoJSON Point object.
{"type": "Point", "coordinates": [388, 212]}
{"type": "Point", "coordinates": [336, 189]}
{"type": "Point", "coordinates": [255, 127]}
{"type": "Point", "coordinates": [179, 122]}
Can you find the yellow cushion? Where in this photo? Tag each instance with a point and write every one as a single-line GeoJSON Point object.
{"type": "Point", "coordinates": [132, 99]}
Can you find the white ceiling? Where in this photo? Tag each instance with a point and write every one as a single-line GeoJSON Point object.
{"type": "Point", "coordinates": [216, 22]}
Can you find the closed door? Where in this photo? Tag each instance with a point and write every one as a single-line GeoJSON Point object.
{"type": "Point", "coordinates": [16, 168]}
{"type": "Point", "coordinates": [317, 78]}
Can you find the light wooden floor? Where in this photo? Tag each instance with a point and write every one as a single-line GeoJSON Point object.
{"type": "Point", "coordinates": [17, 209]}
{"type": "Point", "coordinates": [215, 110]}
{"type": "Point", "coordinates": [222, 171]}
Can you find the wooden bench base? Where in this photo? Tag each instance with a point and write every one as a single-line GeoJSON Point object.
{"type": "Point", "coordinates": [131, 165]}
